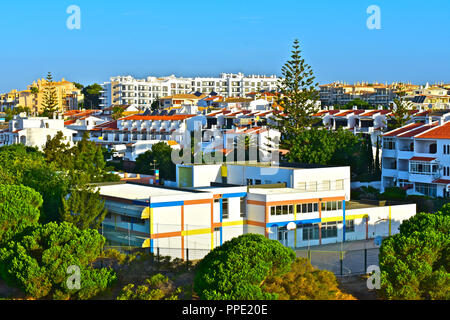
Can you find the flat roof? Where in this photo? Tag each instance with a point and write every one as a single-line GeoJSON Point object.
{"type": "Point", "coordinates": [139, 192]}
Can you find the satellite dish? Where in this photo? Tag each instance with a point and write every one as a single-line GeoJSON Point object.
{"type": "Point", "coordinates": [291, 226]}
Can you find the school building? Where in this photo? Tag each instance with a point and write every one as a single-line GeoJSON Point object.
{"type": "Point", "coordinates": [297, 208]}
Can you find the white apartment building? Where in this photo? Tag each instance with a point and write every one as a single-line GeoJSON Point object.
{"type": "Point", "coordinates": [416, 157]}
{"type": "Point", "coordinates": [34, 131]}
{"type": "Point", "coordinates": [141, 128]}
{"type": "Point", "coordinates": [126, 90]}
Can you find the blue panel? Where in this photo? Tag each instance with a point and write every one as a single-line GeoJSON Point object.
{"type": "Point", "coordinates": [166, 204]}
{"type": "Point", "coordinates": [234, 195]}
{"type": "Point", "coordinates": [140, 203]}
{"type": "Point", "coordinates": [343, 221]}
{"type": "Point", "coordinates": [285, 223]}
{"type": "Point", "coordinates": [221, 218]}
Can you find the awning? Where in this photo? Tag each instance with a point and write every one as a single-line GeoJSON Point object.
{"type": "Point", "coordinates": [422, 159]}
{"type": "Point", "coordinates": [442, 181]}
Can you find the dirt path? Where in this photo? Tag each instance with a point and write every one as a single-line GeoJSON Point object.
{"type": "Point", "coordinates": [357, 287]}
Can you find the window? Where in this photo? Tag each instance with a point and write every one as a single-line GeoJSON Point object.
{"type": "Point", "coordinates": [389, 143]}
{"type": "Point", "coordinates": [225, 209]}
{"type": "Point", "coordinates": [422, 168]}
{"type": "Point", "coordinates": [331, 205]}
{"type": "Point", "coordinates": [249, 182]}
{"type": "Point", "coordinates": [310, 232]}
{"type": "Point", "coordinates": [282, 210]}
{"type": "Point", "coordinates": [243, 208]}
{"type": "Point", "coordinates": [426, 189]}
{"type": "Point", "coordinates": [132, 220]}
{"type": "Point", "coordinates": [329, 230]}
{"type": "Point", "coordinates": [307, 207]}
{"type": "Point", "coordinates": [257, 181]}
{"type": "Point", "coordinates": [349, 225]}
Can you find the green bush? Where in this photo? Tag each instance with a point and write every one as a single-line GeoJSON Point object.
{"type": "Point", "coordinates": [237, 269]}
{"type": "Point", "coordinates": [38, 262]}
{"type": "Point", "coordinates": [158, 287]}
{"type": "Point", "coordinates": [393, 193]}
{"type": "Point", "coordinates": [415, 263]}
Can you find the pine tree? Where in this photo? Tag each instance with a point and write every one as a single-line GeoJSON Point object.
{"type": "Point", "coordinates": [401, 114]}
{"type": "Point", "coordinates": [50, 99]}
{"type": "Point", "coordinates": [84, 208]}
{"type": "Point", "coordinates": [298, 97]}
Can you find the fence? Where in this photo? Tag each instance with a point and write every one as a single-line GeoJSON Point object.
{"type": "Point", "coordinates": [341, 263]}
{"type": "Point", "coordinates": [187, 254]}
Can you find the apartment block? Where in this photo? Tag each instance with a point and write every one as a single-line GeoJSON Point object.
{"type": "Point", "coordinates": [416, 157]}
{"type": "Point", "coordinates": [143, 92]}
{"type": "Point", "coordinates": [68, 96]}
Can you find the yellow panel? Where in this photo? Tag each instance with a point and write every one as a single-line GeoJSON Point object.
{"type": "Point", "coordinates": [234, 223]}
{"type": "Point", "coordinates": [224, 171]}
{"type": "Point", "coordinates": [145, 213]}
{"type": "Point", "coordinates": [195, 232]}
{"type": "Point", "coordinates": [146, 244]}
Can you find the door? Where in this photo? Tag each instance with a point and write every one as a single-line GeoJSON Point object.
{"type": "Point", "coordinates": [283, 236]}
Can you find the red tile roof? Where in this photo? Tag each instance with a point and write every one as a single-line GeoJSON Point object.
{"type": "Point", "coordinates": [176, 117]}
{"type": "Point", "coordinates": [441, 181]}
{"type": "Point", "coordinates": [422, 159]}
{"type": "Point", "coordinates": [440, 132]}
{"type": "Point", "coordinates": [412, 133]}
{"type": "Point", "coordinates": [398, 131]}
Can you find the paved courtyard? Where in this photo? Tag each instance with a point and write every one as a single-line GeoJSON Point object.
{"type": "Point", "coordinates": [328, 256]}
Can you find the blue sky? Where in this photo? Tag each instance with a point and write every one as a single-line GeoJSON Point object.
{"type": "Point", "coordinates": [198, 37]}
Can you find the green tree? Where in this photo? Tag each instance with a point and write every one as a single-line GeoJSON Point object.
{"type": "Point", "coordinates": [38, 263]}
{"type": "Point", "coordinates": [238, 269]}
{"type": "Point", "coordinates": [401, 114]}
{"type": "Point", "coordinates": [50, 98]}
{"type": "Point", "coordinates": [157, 287]}
{"type": "Point", "coordinates": [338, 148]}
{"type": "Point", "coordinates": [155, 105]}
{"type": "Point", "coordinates": [298, 97]}
{"type": "Point", "coordinates": [84, 208]}
{"type": "Point", "coordinates": [117, 112]}
{"type": "Point", "coordinates": [304, 282]}
{"type": "Point", "coordinates": [56, 151]}
{"type": "Point", "coordinates": [415, 263]}
{"type": "Point", "coordinates": [92, 95]}
{"type": "Point", "coordinates": [312, 146]}
{"type": "Point", "coordinates": [161, 154]}
{"type": "Point", "coordinates": [377, 166]}
{"type": "Point", "coordinates": [359, 103]}
{"type": "Point", "coordinates": [34, 90]}
{"type": "Point", "coordinates": [19, 209]}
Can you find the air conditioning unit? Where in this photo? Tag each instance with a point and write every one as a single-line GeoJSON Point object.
{"type": "Point", "coordinates": [447, 188]}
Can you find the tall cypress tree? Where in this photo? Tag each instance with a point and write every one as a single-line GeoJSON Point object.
{"type": "Point", "coordinates": [377, 170]}
{"type": "Point", "coordinates": [370, 160]}
{"type": "Point", "coordinates": [50, 99]}
{"type": "Point", "coordinates": [298, 97]}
